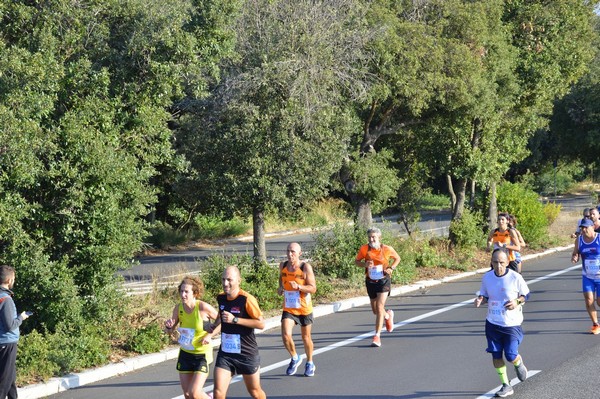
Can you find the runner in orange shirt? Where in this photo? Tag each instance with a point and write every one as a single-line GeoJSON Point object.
{"type": "Point", "coordinates": [375, 258]}
{"type": "Point", "coordinates": [297, 284]}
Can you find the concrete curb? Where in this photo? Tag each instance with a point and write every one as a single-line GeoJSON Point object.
{"type": "Point", "coordinates": [56, 385]}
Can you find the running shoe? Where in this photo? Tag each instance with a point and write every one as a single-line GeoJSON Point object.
{"type": "Point", "coordinates": [505, 391]}
{"type": "Point", "coordinates": [293, 367]}
{"type": "Point", "coordinates": [389, 322]}
{"type": "Point", "coordinates": [595, 329]}
{"type": "Point", "coordinates": [376, 341]}
{"type": "Point", "coordinates": [521, 371]}
{"type": "Point", "coordinates": [309, 370]}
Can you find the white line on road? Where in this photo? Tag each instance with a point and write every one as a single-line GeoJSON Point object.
{"type": "Point", "coordinates": [369, 334]}
{"type": "Point", "coordinates": [514, 382]}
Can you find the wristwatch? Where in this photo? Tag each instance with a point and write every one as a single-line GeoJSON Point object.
{"type": "Point", "coordinates": [235, 320]}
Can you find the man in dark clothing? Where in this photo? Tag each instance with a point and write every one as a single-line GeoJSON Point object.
{"type": "Point", "coordinates": [9, 333]}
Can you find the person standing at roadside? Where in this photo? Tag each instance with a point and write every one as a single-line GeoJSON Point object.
{"type": "Point", "coordinates": [587, 248]}
{"type": "Point", "coordinates": [297, 284]}
{"type": "Point", "coordinates": [195, 353]}
{"type": "Point", "coordinates": [375, 258]}
{"type": "Point", "coordinates": [505, 237]}
{"type": "Point", "coordinates": [239, 315]}
{"type": "Point", "coordinates": [9, 333]}
{"type": "Point", "coordinates": [505, 292]}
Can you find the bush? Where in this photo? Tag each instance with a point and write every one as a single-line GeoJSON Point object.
{"type": "Point", "coordinates": [33, 359]}
{"type": "Point", "coordinates": [163, 236]}
{"type": "Point", "coordinates": [552, 210]}
{"type": "Point", "coordinates": [529, 211]}
{"type": "Point", "coordinates": [335, 251]}
{"type": "Point", "coordinates": [79, 347]}
{"type": "Point", "coordinates": [148, 339]}
{"type": "Point", "coordinates": [207, 226]}
{"type": "Point", "coordinates": [467, 232]}
{"type": "Point", "coordinates": [259, 279]}
{"type": "Point", "coordinates": [550, 180]}
{"type": "Point", "coordinates": [433, 202]}
{"type": "Point", "coordinates": [416, 254]}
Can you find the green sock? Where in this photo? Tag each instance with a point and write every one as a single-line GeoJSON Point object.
{"type": "Point", "coordinates": [517, 362]}
{"type": "Point", "coordinates": [502, 374]}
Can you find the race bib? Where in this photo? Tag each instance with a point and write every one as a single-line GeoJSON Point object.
{"type": "Point", "coordinates": [376, 272]}
{"type": "Point", "coordinates": [496, 311]}
{"type": "Point", "coordinates": [592, 268]}
{"type": "Point", "coordinates": [231, 343]}
{"type": "Point", "coordinates": [186, 337]}
{"type": "Point", "coordinates": [292, 299]}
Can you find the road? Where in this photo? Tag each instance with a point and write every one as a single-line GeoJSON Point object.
{"type": "Point", "coordinates": [167, 269]}
{"type": "Point", "coordinates": [436, 351]}
{"type": "Point", "coordinates": [170, 267]}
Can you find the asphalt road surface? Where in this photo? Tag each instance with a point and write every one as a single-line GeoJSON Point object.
{"type": "Point", "coordinates": [436, 351]}
{"type": "Point", "coordinates": [168, 269]}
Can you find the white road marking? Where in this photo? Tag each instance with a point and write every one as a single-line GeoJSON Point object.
{"type": "Point", "coordinates": [513, 382]}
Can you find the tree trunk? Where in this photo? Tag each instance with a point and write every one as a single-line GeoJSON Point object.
{"type": "Point", "coordinates": [361, 205]}
{"type": "Point", "coordinates": [493, 208]}
{"type": "Point", "coordinates": [459, 206]}
{"type": "Point", "coordinates": [458, 209]}
{"type": "Point", "coordinates": [451, 192]}
{"type": "Point", "coordinates": [472, 195]}
{"type": "Point", "coordinates": [258, 229]}
{"type": "Point", "coordinates": [364, 218]}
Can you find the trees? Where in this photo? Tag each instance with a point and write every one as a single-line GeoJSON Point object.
{"type": "Point", "coordinates": [84, 94]}
{"type": "Point", "coordinates": [507, 62]}
{"type": "Point", "coordinates": [407, 67]}
{"type": "Point", "coordinates": [574, 132]}
{"type": "Point", "coordinates": [276, 128]}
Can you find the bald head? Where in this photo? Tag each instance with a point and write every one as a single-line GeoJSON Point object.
{"type": "Point", "coordinates": [294, 246]}
{"type": "Point", "coordinates": [293, 253]}
{"type": "Point", "coordinates": [499, 261]}
{"type": "Point", "coordinates": [231, 281]}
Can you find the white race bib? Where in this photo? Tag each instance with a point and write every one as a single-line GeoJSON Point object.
{"type": "Point", "coordinates": [231, 343]}
{"type": "Point", "coordinates": [376, 272]}
{"type": "Point", "coordinates": [292, 299]}
{"type": "Point", "coordinates": [592, 268]}
{"type": "Point", "coordinates": [186, 337]}
{"type": "Point", "coordinates": [496, 312]}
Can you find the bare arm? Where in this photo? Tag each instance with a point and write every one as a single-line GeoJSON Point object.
{"type": "Point", "coordinates": [515, 244]}
{"type": "Point", "coordinates": [259, 322]}
{"type": "Point", "coordinates": [575, 254]}
{"type": "Point", "coordinates": [171, 323]}
{"type": "Point", "coordinates": [280, 288]}
{"type": "Point", "coordinates": [310, 284]}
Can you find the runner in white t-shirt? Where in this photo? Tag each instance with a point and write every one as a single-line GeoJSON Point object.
{"type": "Point", "coordinates": [505, 292]}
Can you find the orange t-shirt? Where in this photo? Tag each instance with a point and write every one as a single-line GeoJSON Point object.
{"type": "Point", "coordinates": [295, 302]}
{"type": "Point", "coordinates": [503, 237]}
{"type": "Point", "coordinates": [379, 256]}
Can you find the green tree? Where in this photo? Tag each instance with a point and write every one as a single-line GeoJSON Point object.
{"type": "Point", "coordinates": [276, 129]}
{"type": "Point", "coordinates": [85, 91]}
{"type": "Point", "coordinates": [508, 61]}
{"type": "Point", "coordinates": [407, 65]}
{"type": "Point", "coordinates": [574, 132]}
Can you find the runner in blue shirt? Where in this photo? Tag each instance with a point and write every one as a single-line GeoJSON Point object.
{"type": "Point", "coordinates": [587, 247]}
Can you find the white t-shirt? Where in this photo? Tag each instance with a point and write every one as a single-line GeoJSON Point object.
{"type": "Point", "coordinates": [500, 290]}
